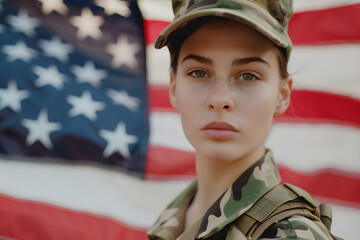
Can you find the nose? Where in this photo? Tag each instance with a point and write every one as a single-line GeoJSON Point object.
{"type": "Point", "coordinates": [220, 96]}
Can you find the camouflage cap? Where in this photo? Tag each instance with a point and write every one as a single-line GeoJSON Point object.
{"type": "Point", "coordinates": [269, 17]}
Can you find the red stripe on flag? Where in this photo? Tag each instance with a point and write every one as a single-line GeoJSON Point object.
{"type": "Point", "coordinates": [324, 107]}
{"type": "Point", "coordinates": [34, 220]}
{"type": "Point", "coordinates": [306, 106]}
{"type": "Point", "coordinates": [329, 26]}
{"type": "Point", "coordinates": [330, 184]}
{"type": "Point", "coordinates": [319, 183]}
{"type": "Point", "coordinates": [152, 29]}
{"type": "Point", "coordinates": [312, 27]}
{"type": "Point", "coordinates": [159, 99]}
{"type": "Point", "coordinates": [180, 163]}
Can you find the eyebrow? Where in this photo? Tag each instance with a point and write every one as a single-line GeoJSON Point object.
{"type": "Point", "coordinates": [198, 59]}
{"type": "Point", "coordinates": [243, 61]}
{"type": "Point", "coordinates": [239, 61]}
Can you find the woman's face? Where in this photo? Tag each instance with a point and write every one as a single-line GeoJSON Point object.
{"type": "Point", "coordinates": [227, 88]}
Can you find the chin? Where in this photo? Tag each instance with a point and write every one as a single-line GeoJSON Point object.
{"type": "Point", "coordinates": [219, 152]}
{"type": "Point", "coordinates": [228, 152]}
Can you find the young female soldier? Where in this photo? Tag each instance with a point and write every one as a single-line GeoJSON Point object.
{"type": "Point", "coordinates": [228, 80]}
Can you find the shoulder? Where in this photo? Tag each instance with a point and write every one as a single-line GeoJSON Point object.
{"type": "Point", "coordinates": [297, 227]}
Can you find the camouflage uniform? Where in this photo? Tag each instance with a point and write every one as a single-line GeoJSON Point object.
{"type": "Point", "coordinates": [219, 222]}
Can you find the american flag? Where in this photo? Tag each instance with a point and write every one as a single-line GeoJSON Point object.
{"type": "Point", "coordinates": [316, 143]}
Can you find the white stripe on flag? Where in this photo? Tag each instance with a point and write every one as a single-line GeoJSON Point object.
{"type": "Point", "coordinates": [310, 147]}
{"type": "Point", "coordinates": [346, 222]}
{"type": "Point", "coordinates": [88, 188]}
{"type": "Point", "coordinates": [156, 9]}
{"type": "Point", "coordinates": [330, 68]}
{"type": "Point", "coordinates": [311, 5]}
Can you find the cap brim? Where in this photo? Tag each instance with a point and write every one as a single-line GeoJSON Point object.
{"type": "Point", "coordinates": [262, 22]}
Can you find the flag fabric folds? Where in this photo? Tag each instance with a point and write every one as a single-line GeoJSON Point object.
{"type": "Point", "coordinates": [73, 92]}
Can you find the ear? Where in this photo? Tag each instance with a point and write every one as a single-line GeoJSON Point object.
{"type": "Point", "coordinates": [172, 91]}
{"type": "Point", "coordinates": [283, 101]}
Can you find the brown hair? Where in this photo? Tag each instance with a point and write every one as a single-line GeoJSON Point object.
{"type": "Point", "coordinates": [178, 38]}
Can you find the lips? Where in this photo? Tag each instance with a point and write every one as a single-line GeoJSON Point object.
{"type": "Point", "coordinates": [219, 130]}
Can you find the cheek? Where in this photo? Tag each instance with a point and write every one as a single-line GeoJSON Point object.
{"type": "Point", "coordinates": [258, 107]}
{"type": "Point", "coordinates": [188, 97]}
{"type": "Point", "coordinates": [189, 103]}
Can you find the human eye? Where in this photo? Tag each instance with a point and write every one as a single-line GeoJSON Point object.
{"type": "Point", "coordinates": [199, 74]}
{"type": "Point", "coordinates": [248, 77]}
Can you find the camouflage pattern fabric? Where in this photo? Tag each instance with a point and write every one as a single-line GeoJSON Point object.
{"type": "Point", "coordinates": [269, 17]}
{"type": "Point", "coordinates": [297, 227]}
{"type": "Point", "coordinates": [219, 220]}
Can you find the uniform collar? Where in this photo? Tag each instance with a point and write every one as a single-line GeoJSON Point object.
{"type": "Point", "coordinates": [237, 199]}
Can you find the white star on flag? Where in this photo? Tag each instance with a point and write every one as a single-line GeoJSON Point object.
{"type": "Point", "coordinates": [123, 52]}
{"type": "Point", "coordinates": [118, 141]}
{"type": "Point", "coordinates": [19, 51]}
{"type": "Point", "coordinates": [114, 7]}
{"type": "Point", "coordinates": [40, 129]}
{"type": "Point", "coordinates": [49, 76]}
{"type": "Point", "coordinates": [12, 96]}
{"type": "Point", "coordinates": [53, 5]}
{"type": "Point", "coordinates": [88, 24]}
{"type": "Point", "coordinates": [55, 48]}
{"type": "Point", "coordinates": [122, 98]}
{"type": "Point", "coordinates": [24, 23]}
{"type": "Point", "coordinates": [85, 105]}
{"type": "Point", "coordinates": [89, 73]}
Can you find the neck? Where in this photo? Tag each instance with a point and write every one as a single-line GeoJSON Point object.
{"type": "Point", "coordinates": [216, 176]}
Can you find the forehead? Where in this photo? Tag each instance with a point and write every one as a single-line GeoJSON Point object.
{"type": "Point", "coordinates": [227, 35]}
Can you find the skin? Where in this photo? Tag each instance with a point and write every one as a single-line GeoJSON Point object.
{"type": "Point", "coordinates": [227, 72]}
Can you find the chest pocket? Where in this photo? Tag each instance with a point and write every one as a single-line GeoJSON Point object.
{"type": "Point", "coordinates": [281, 202]}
